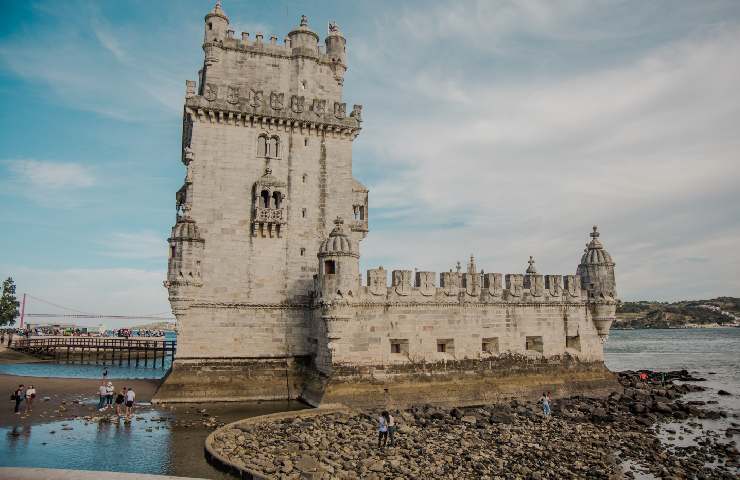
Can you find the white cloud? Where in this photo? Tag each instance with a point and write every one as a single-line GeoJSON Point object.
{"type": "Point", "coordinates": [52, 175]}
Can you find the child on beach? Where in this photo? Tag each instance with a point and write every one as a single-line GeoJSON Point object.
{"type": "Point", "coordinates": [30, 396]}
{"type": "Point", "coordinates": [545, 400]}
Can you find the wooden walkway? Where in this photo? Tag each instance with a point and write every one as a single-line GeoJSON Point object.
{"type": "Point", "coordinates": [105, 350]}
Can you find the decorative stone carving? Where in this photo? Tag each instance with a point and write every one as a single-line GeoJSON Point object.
{"type": "Point", "coordinates": [211, 92]}
{"type": "Point", "coordinates": [377, 281]}
{"type": "Point", "coordinates": [340, 110]}
{"type": "Point", "coordinates": [297, 103]}
{"type": "Point", "coordinates": [515, 284]}
{"type": "Point", "coordinates": [269, 205]}
{"type": "Point", "coordinates": [190, 86]}
{"type": "Point", "coordinates": [255, 98]}
{"type": "Point", "coordinates": [402, 282]}
{"type": "Point", "coordinates": [536, 285]}
{"type": "Point", "coordinates": [472, 284]}
{"type": "Point", "coordinates": [276, 100]}
{"type": "Point", "coordinates": [554, 285]}
{"type": "Point", "coordinates": [492, 284]}
{"type": "Point", "coordinates": [450, 283]}
{"type": "Point", "coordinates": [232, 95]}
{"type": "Point", "coordinates": [573, 285]}
{"type": "Point", "coordinates": [319, 106]}
{"type": "Point", "coordinates": [425, 283]}
{"type": "Point", "coordinates": [356, 112]}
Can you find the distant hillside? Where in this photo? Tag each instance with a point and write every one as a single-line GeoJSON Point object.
{"type": "Point", "coordinates": [695, 313]}
{"type": "Point", "coordinates": [155, 326]}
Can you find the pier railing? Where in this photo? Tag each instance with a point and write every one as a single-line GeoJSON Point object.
{"type": "Point", "coordinates": [101, 349]}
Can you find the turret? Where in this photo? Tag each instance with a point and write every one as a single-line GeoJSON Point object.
{"type": "Point", "coordinates": [336, 50]}
{"type": "Point", "coordinates": [597, 278]}
{"type": "Point", "coordinates": [216, 24]}
{"type": "Point", "coordinates": [183, 269]}
{"type": "Point", "coordinates": [339, 266]}
{"type": "Point", "coordinates": [303, 40]}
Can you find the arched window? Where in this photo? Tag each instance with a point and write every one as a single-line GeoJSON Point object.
{"type": "Point", "coordinates": [265, 198]}
{"type": "Point", "coordinates": [274, 147]}
{"type": "Point", "coordinates": [262, 146]}
{"type": "Point", "coordinates": [277, 198]}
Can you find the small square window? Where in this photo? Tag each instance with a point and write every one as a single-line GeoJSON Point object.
{"type": "Point", "coordinates": [441, 347]}
{"type": "Point", "coordinates": [399, 346]}
{"type": "Point", "coordinates": [490, 345]}
{"type": "Point", "coordinates": [445, 345]}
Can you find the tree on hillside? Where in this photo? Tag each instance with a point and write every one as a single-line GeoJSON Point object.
{"type": "Point", "coordinates": [8, 303]}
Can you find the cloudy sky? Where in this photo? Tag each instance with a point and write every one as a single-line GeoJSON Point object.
{"type": "Point", "coordinates": [498, 128]}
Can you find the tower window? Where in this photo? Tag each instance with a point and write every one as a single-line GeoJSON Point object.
{"type": "Point", "coordinates": [303, 84]}
{"type": "Point", "coordinates": [303, 252]}
{"type": "Point", "coordinates": [330, 268]}
{"type": "Point", "coordinates": [400, 345]}
{"type": "Point", "coordinates": [303, 213]}
{"type": "Point", "coordinates": [265, 198]}
{"type": "Point", "coordinates": [305, 177]}
{"type": "Point", "coordinates": [445, 345]}
{"type": "Point", "coordinates": [490, 345]}
{"type": "Point", "coordinates": [277, 199]}
{"type": "Point", "coordinates": [262, 146]}
{"type": "Point", "coordinates": [210, 26]}
{"type": "Point", "coordinates": [534, 344]}
{"type": "Point", "coordinates": [172, 251]}
{"type": "Point", "coordinates": [305, 142]}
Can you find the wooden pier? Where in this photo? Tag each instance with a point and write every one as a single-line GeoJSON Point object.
{"type": "Point", "coordinates": [102, 350]}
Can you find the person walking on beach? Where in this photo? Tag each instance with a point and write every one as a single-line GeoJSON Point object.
{"type": "Point", "coordinates": [30, 396]}
{"type": "Point", "coordinates": [109, 390]}
{"type": "Point", "coordinates": [382, 429]}
{"type": "Point", "coordinates": [130, 397]}
{"type": "Point", "coordinates": [544, 399]}
{"type": "Point", "coordinates": [18, 396]}
{"type": "Point", "coordinates": [105, 373]}
{"type": "Point", "coordinates": [120, 398]}
{"type": "Point", "coordinates": [102, 392]}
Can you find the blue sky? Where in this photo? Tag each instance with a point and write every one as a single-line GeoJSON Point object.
{"type": "Point", "coordinates": [500, 128]}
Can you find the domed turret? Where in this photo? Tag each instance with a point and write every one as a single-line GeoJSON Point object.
{"type": "Point", "coordinates": [217, 23]}
{"type": "Point", "coordinates": [597, 278]}
{"type": "Point", "coordinates": [303, 40]}
{"type": "Point", "coordinates": [183, 269]}
{"type": "Point", "coordinates": [339, 269]}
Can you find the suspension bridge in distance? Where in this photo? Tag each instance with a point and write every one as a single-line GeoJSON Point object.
{"type": "Point", "coordinates": [131, 351]}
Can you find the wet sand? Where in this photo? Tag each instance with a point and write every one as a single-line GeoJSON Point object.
{"type": "Point", "coordinates": [11, 356]}
{"type": "Point", "coordinates": [68, 397]}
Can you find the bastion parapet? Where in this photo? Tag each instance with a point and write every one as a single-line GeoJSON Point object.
{"type": "Point", "coordinates": [262, 259]}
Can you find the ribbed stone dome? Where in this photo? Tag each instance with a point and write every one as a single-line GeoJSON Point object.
{"type": "Point", "coordinates": [186, 229]}
{"type": "Point", "coordinates": [338, 242]}
{"type": "Point", "coordinates": [594, 254]}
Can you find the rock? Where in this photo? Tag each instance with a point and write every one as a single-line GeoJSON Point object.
{"type": "Point", "coordinates": [723, 392]}
{"type": "Point", "coordinates": [662, 408]}
{"type": "Point", "coordinates": [469, 419]}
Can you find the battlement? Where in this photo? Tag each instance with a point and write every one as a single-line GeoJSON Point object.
{"type": "Point", "coordinates": [257, 45]}
{"type": "Point", "coordinates": [456, 286]}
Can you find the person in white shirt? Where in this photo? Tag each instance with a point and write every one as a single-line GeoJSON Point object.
{"type": "Point", "coordinates": [109, 390]}
{"type": "Point", "coordinates": [130, 397]}
{"type": "Point", "coordinates": [30, 395]}
{"type": "Point", "coordinates": [102, 392]}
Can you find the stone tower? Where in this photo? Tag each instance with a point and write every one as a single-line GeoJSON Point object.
{"type": "Point", "coordinates": [267, 144]}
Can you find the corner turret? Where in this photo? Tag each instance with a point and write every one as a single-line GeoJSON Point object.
{"type": "Point", "coordinates": [336, 50]}
{"type": "Point", "coordinates": [216, 24]}
{"type": "Point", "coordinates": [339, 267]}
{"type": "Point", "coordinates": [597, 278]}
{"type": "Point", "coordinates": [183, 269]}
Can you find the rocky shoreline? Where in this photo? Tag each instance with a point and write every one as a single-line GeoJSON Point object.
{"type": "Point", "coordinates": [583, 438]}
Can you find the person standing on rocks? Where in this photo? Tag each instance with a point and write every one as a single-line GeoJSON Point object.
{"type": "Point", "coordinates": [102, 392]}
{"type": "Point", "coordinates": [544, 400]}
{"type": "Point", "coordinates": [391, 429]}
{"type": "Point", "coordinates": [383, 429]}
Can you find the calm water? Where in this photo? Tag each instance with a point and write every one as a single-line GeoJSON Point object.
{"type": "Point", "coordinates": [146, 446]}
{"type": "Point", "coordinates": [71, 370]}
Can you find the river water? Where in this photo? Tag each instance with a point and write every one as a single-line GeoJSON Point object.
{"type": "Point", "coordinates": [150, 446]}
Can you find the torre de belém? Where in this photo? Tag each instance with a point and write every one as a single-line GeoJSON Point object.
{"type": "Point", "coordinates": [264, 272]}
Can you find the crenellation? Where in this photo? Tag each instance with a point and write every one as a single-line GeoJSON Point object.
{"type": "Point", "coordinates": [261, 254]}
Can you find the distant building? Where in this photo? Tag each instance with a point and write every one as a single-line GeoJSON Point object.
{"type": "Point", "coordinates": [264, 273]}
